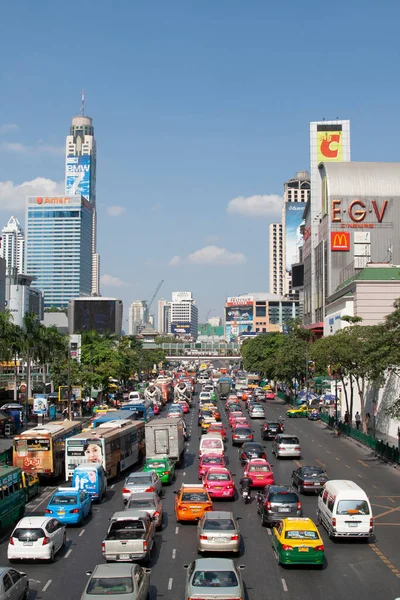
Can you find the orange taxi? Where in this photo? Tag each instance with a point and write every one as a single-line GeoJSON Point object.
{"type": "Point", "coordinates": [191, 502]}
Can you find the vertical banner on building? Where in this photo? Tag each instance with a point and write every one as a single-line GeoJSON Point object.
{"type": "Point", "coordinates": [77, 178]}
{"type": "Point", "coordinates": [293, 220]}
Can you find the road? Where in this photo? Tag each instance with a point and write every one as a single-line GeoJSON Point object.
{"type": "Point", "coordinates": [353, 569]}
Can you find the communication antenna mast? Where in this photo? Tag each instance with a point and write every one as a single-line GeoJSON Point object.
{"type": "Point", "coordinates": [83, 103]}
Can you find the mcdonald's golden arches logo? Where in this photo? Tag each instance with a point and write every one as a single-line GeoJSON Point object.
{"type": "Point", "coordinates": [340, 241]}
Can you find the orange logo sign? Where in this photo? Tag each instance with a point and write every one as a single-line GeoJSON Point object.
{"type": "Point", "coordinates": [57, 200]}
{"type": "Point", "coordinates": [39, 200]}
{"type": "Point", "coordinates": [340, 241]}
{"type": "Point", "coordinates": [329, 146]}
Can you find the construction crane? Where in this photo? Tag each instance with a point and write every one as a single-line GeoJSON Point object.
{"type": "Point", "coordinates": [153, 298]}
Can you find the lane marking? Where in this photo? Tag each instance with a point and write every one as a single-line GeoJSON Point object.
{"type": "Point", "coordinates": [347, 466]}
{"type": "Point", "coordinates": [68, 553]}
{"type": "Point", "coordinates": [44, 499]}
{"type": "Point", "coordinates": [363, 464]}
{"type": "Point", "coordinates": [385, 560]}
{"type": "Point", "coordinates": [269, 531]}
{"type": "Point", "coordinates": [391, 500]}
{"type": "Point", "coordinates": [320, 463]}
{"type": "Point", "coordinates": [174, 553]}
{"type": "Point", "coordinates": [184, 473]}
{"type": "Point", "coordinates": [298, 464]}
{"type": "Point", "coordinates": [170, 580]}
{"type": "Point", "coordinates": [112, 487]}
{"type": "Point", "coordinates": [176, 530]}
{"type": "Point", "coordinates": [337, 458]}
{"type": "Point", "coordinates": [285, 587]}
{"type": "Point", "coordinates": [46, 587]}
{"type": "Point", "coordinates": [82, 532]}
{"type": "Point", "coordinates": [360, 476]}
{"type": "Point", "coordinates": [388, 512]}
{"type": "Point", "coordinates": [329, 452]}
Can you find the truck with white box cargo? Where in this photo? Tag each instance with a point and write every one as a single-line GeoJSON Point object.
{"type": "Point", "coordinates": [165, 437]}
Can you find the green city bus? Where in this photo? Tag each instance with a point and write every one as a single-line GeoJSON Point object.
{"type": "Point", "coordinates": [12, 496]}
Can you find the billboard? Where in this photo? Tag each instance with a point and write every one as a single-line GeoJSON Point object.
{"type": "Point", "coordinates": [78, 176]}
{"type": "Point", "coordinates": [293, 220]}
{"type": "Point", "coordinates": [97, 315]}
{"type": "Point", "coordinates": [340, 241]}
{"type": "Point", "coordinates": [232, 331]}
{"type": "Point", "coordinates": [240, 301]}
{"type": "Point", "coordinates": [178, 296]}
{"type": "Point", "coordinates": [179, 328]}
{"type": "Point", "coordinates": [40, 405]}
{"type": "Point", "coordinates": [240, 314]}
{"type": "Point", "coordinates": [329, 146]}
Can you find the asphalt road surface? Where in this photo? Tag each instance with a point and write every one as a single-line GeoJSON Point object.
{"type": "Point", "coordinates": [355, 569]}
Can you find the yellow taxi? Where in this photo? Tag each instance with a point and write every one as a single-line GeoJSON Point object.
{"type": "Point", "coordinates": [191, 502]}
{"type": "Point", "coordinates": [296, 541]}
{"type": "Point", "coordinates": [302, 411]}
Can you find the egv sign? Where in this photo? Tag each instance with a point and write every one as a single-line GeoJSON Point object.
{"type": "Point", "coordinates": [340, 241]}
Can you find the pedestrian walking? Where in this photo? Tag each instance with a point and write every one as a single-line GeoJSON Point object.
{"type": "Point", "coordinates": [346, 417]}
{"type": "Point", "coordinates": [358, 420]}
{"type": "Point", "coordinates": [367, 420]}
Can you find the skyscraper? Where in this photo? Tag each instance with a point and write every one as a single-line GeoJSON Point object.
{"type": "Point", "coordinates": [12, 247]}
{"type": "Point", "coordinates": [276, 265]}
{"type": "Point", "coordinates": [184, 314]}
{"type": "Point", "coordinates": [80, 178]}
{"type": "Point", "coordinates": [138, 317]}
{"type": "Point", "coordinates": [163, 316]}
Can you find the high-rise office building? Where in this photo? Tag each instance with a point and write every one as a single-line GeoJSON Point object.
{"type": "Point", "coordinates": [276, 265]}
{"type": "Point", "coordinates": [138, 317]}
{"type": "Point", "coordinates": [184, 314]}
{"type": "Point", "coordinates": [163, 316]}
{"type": "Point", "coordinates": [80, 178]}
{"type": "Point", "coordinates": [12, 246]}
{"type": "Point", "coordinates": [58, 247]}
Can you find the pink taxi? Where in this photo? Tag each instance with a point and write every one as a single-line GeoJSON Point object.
{"type": "Point", "coordinates": [156, 408]}
{"type": "Point", "coordinates": [209, 460]}
{"type": "Point", "coordinates": [219, 483]}
{"type": "Point", "coordinates": [260, 472]}
{"type": "Point", "coordinates": [233, 416]}
{"type": "Point", "coordinates": [184, 405]}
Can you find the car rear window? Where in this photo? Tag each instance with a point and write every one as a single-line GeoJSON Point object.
{"type": "Point", "coordinates": [283, 498]}
{"type": "Point", "coordinates": [64, 499]}
{"type": "Point", "coordinates": [257, 468]}
{"type": "Point", "coordinates": [207, 460]}
{"type": "Point", "coordinates": [194, 497]}
{"type": "Point", "coordinates": [289, 441]}
{"type": "Point", "coordinates": [218, 524]}
{"type": "Point", "coordinates": [218, 477]}
{"type": "Point", "coordinates": [301, 534]}
{"type": "Point", "coordinates": [156, 465]}
{"type": "Point", "coordinates": [142, 480]}
{"type": "Point", "coordinates": [273, 425]}
{"type": "Point", "coordinates": [243, 430]}
{"type": "Point", "coordinates": [140, 504]}
{"type": "Point", "coordinates": [28, 535]}
{"type": "Point", "coordinates": [211, 444]}
{"type": "Point", "coordinates": [126, 530]}
{"type": "Point", "coordinates": [106, 586]}
{"type": "Point", "coordinates": [313, 472]}
{"type": "Point", "coordinates": [352, 507]}
{"type": "Point", "coordinates": [214, 579]}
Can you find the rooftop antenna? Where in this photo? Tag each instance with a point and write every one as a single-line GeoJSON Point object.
{"type": "Point", "coordinates": [83, 103]}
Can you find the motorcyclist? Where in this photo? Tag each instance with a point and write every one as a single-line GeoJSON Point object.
{"type": "Point", "coordinates": [245, 484]}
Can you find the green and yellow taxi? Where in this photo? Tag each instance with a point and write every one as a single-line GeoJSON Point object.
{"type": "Point", "coordinates": [296, 541]}
{"type": "Point", "coordinates": [163, 466]}
{"type": "Point", "coordinates": [302, 411]}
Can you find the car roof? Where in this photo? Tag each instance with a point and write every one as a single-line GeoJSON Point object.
{"type": "Point", "coordinates": [129, 513]}
{"type": "Point", "coordinates": [219, 514]}
{"type": "Point", "coordinates": [143, 496]}
{"type": "Point", "coordinates": [114, 570]}
{"type": "Point", "coordinates": [218, 470]}
{"type": "Point", "coordinates": [195, 487]}
{"type": "Point", "coordinates": [139, 474]}
{"type": "Point", "coordinates": [252, 445]}
{"type": "Point", "coordinates": [30, 522]}
{"type": "Point", "coordinates": [215, 564]}
{"type": "Point", "coordinates": [258, 461]}
{"type": "Point", "coordinates": [299, 523]}
{"type": "Point", "coordinates": [211, 455]}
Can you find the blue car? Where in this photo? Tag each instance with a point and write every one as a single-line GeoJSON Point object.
{"type": "Point", "coordinates": [69, 505]}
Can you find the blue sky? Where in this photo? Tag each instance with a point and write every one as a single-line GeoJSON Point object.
{"type": "Point", "coordinates": [195, 105]}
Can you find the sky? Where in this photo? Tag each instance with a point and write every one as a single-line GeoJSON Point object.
{"type": "Point", "coordinates": [201, 113]}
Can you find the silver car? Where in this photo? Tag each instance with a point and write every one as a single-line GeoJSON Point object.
{"type": "Point", "coordinates": [148, 502]}
{"type": "Point", "coordinates": [126, 580]}
{"type": "Point", "coordinates": [286, 445]}
{"type": "Point", "coordinates": [213, 578]}
{"type": "Point", "coordinates": [13, 584]}
{"type": "Point", "coordinates": [141, 482]}
{"type": "Point", "coordinates": [218, 531]}
{"type": "Point", "coordinates": [257, 412]}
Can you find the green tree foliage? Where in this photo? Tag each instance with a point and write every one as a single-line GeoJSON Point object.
{"type": "Point", "coordinates": [259, 353]}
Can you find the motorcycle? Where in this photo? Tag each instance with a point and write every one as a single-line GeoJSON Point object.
{"type": "Point", "coordinates": [246, 495]}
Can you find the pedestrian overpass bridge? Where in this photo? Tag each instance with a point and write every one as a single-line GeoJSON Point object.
{"type": "Point", "coordinates": [203, 357]}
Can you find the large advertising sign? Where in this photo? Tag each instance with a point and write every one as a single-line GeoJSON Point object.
{"type": "Point", "coordinates": [329, 146]}
{"type": "Point", "coordinates": [293, 220]}
{"type": "Point", "coordinates": [340, 241]}
{"type": "Point", "coordinates": [179, 328]}
{"type": "Point", "coordinates": [240, 301]}
{"type": "Point", "coordinates": [232, 331]}
{"type": "Point", "coordinates": [178, 296]}
{"type": "Point", "coordinates": [98, 315]}
{"type": "Point", "coordinates": [77, 179]}
{"type": "Point", "coordinates": [240, 314]}
{"type": "Point", "coordinates": [40, 404]}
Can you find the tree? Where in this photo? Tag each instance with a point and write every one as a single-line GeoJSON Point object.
{"type": "Point", "coordinates": [259, 353]}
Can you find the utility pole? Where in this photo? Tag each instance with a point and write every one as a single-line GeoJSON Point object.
{"type": "Point", "coordinates": [69, 385]}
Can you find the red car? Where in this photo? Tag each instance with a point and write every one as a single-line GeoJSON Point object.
{"type": "Point", "coordinates": [209, 460]}
{"type": "Point", "coordinates": [219, 483]}
{"type": "Point", "coordinates": [240, 421]}
{"type": "Point", "coordinates": [218, 428]}
{"type": "Point", "coordinates": [185, 406]}
{"type": "Point", "coordinates": [260, 472]}
{"type": "Point", "coordinates": [269, 395]}
{"type": "Point", "coordinates": [232, 417]}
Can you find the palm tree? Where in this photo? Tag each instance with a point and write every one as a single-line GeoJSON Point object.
{"type": "Point", "coordinates": [51, 348]}
{"type": "Point", "coordinates": [31, 339]}
{"type": "Point", "coordinates": [10, 344]}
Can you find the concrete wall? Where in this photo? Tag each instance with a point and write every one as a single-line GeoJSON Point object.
{"type": "Point", "coordinates": [374, 300]}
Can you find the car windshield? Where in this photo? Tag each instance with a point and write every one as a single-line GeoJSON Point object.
{"type": "Point", "coordinates": [139, 480]}
{"type": "Point", "coordinates": [73, 499]}
{"type": "Point", "coordinates": [139, 504]}
{"type": "Point", "coordinates": [289, 441]}
{"type": "Point", "coordinates": [28, 535]}
{"type": "Point", "coordinates": [218, 524]}
{"type": "Point", "coordinates": [107, 586]}
{"type": "Point", "coordinates": [126, 530]}
{"type": "Point", "coordinates": [252, 448]}
{"type": "Point", "coordinates": [301, 534]}
{"type": "Point", "coordinates": [218, 477]}
{"type": "Point", "coordinates": [194, 497]}
{"type": "Point", "coordinates": [283, 498]}
{"type": "Point", "coordinates": [272, 425]}
{"type": "Point", "coordinates": [206, 413]}
{"type": "Point", "coordinates": [156, 465]}
{"type": "Point", "coordinates": [263, 468]}
{"type": "Point", "coordinates": [209, 460]}
{"type": "Point", "coordinates": [214, 579]}
{"type": "Point", "coordinates": [353, 507]}
{"type": "Point", "coordinates": [312, 473]}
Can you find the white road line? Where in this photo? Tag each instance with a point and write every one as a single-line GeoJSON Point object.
{"type": "Point", "coordinates": [360, 476]}
{"type": "Point", "coordinates": [47, 585]}
{"type": "Point", "coordinates": [347, 466]}
{"type": "Point", "coordinates": [285, 587]}
{"type": "Point", "coordinates": [374, 486]}
{"type": "Point", "coordinates": [176, 530]}
{"type": "Point", "coordinates": [328, 452]}
{"type": "Point", "coordinates": [170, 580]}
{"type": "Point", "coordinates": [112, 487]}
{"type": "Point", "coordinates": [320, 445]}
{"type": "Point", "coordinates": [68, 553]}
{"type": "Point", "coordinates": [337, 458]}
{"type": "Point", "coordinates": [82, 532]}
{"type": "Point", "coordinates": [174, 553]}
{"type": "Point", "coordinates": [184, 473]}
{"type": "Point", "coordinates": [269, 531]}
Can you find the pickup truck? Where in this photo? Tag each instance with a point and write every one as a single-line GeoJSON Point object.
{"type": "Point", "coordinates": [130, 537]}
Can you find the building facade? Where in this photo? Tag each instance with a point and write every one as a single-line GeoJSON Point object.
{"type": "Point", "coordinates": [21, 298]}
{"type": "Point", "coordinates": [184, 314]}
{"type": "Point", "coordinates": [164, 316]}
{"type": "Point", "coordinates": [12, 246]}
{"type": "Point", "coordinates": [138, 317]}
{"type": "Point", "coordinates": [58, 247]}
{"type": "Point", "coordinates": [276, 265]}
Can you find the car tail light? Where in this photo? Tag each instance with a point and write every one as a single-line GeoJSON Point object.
{"type": "Point", "coordinates": [150, 489]}
{"type": "Point", "coordinates": [103, 547]}
{"type": "Point", "coordinates": [264, 456]}
{"type": "Point", "coordinates": [235, 437]}
{"type": "Point", "coordinates": [299, 506]}
{"type": "Point", "coordinates": [208, 508]}
{"type": "Point", "coordinates": [156, 514]}
{"type": "Point", "coordinates": [286, 547]}
{"type": "Point", "coordinates": [297, 448]}
{"type": "Point", "coordinates": [48, 512]}
{"type": "Point", "coordinates": [333, 522]}
{"type": "Point", "coordinates": [308, 483]}
{"type": "Point", "coordinates": [371, 522]}
{"type": "Point", "coordinates": [46, 540]}
{"type": "Point", "coordinates": [74, 511]}
{"type": "Point", "coordinates": [166, 473]}
{"type": "Point", "coordinates": [234, 537]}
{"type": "Point", "coordinates": [182, 507]}
{"type": "Point", "coordinates": [229, 486]}
{"type": "Point", "coordinates": [268, 506]}
{"type": "Point", "coordinates": [145, 545]}
{"type": "Point", "coordinates": [126, 491]}
{"type": "Point", "coordinates": [12, 541]}
{"type": "Point", "coordinates": [203, 537]}
{"type": "Point", "coordinates": [320, 548]}
{"type": "Point", "coordinates": [281, 447]}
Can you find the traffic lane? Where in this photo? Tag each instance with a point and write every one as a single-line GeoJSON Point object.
{"type": "Point", "coordinates": [345, 459]}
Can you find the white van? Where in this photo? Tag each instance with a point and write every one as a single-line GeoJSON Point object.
{"type": "Point", "coordinates": [345, 510]}
{"type": "Point", "coordinates": [211, 443]}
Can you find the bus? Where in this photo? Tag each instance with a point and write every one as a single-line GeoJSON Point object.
{"type": "Point", "coordinates": [116, 415]}
{"type": "Point", "coordinates": [117, 445]}
{"type": "Point", "coordinates": [143, 408]}
{"type": "Point", "coordinates": [41, 450]}
{"type": "Point", "coordinates": [12, 496]}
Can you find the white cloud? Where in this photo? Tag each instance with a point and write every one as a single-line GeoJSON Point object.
{"type": "Point", "coordinates": [261, 205]}
{"type": "Point", "coordinates": [13, 197]}
{"type": "Point", "coordinates": [116, 211]}
{"type": "Point", "coordinates": [211, 255]}
{"type": "Point", "coordinates": [7, 127]}
{"type": "Point", "coordinates": [112, 281]}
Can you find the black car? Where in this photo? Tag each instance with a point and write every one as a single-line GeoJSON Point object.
{"type": "Point", "coordinates": [251, 450]}
{"type": "Point", "coordinates": [309, 479]}
{"type": "Point", "coordinates": [276, 502]}
{"type": "Point", "coordinates": [271, 429]}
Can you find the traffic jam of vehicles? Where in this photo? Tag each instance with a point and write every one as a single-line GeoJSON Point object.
{"type": "Point", "coordinates": [138, 451]}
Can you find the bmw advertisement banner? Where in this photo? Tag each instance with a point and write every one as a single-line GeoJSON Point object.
{"type": "Point", "coordinates": [77, 179]}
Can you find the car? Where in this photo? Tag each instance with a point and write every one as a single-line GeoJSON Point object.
{"type": "Point", "coordinates": [240, 422]}
{"type": "Point", "coordinates": [69, 505]}
{"type": "Point", "coordinates": [218, 427]}
{"type": "Point", "coordinates": [204, 414]}
{"type": "Point", "coordinates": [257, 412]}
{"type": "Point", "coordinates": [314, 415]}
{"type": "Point", "coordinates": [271, 429]}
{"type": "Point", "coordinates": [241, 434]}
{"type": "Point", "coordinates": [175, 410]}
{"type": "Point", "coordinates": [269, 395]}
{"type": "Point", "coordinates": [251, 450]}
{"type": "Point", "coordinates": [14, 585]}
{"type": "Point", "coordinates": [147, 502]}
{"type": "Point", "coordinates": [156, 408]}
{"type": "Point", "coordinates": [286, 445]}
{"type": "Point", "coordinates": [296, 541]}
{"type": "Point", "coordinates": [141, 482]}
{"type": "Point", "coordinates": [36, 538]}
{"type": "Point", "coordinates": [218, 531]}
{"type": "Point", "coordinates": [215, 578]}
{"type": "Point", "coordinates": [163, 466]}
{"type": "Point", "coordinates": [302, 411]}
{"type": "Point", "coordinates": [309, 479]}
{"type": "Point", "coordinates": [209, 460]}
{"type": "Point", "coordinates": [276, 502]}
{"type": "Point", "coordinates": [206, 421]}
{"type": "Point", "coordinates": [126, 580]}
{"type": "Point", "coordinates": [260, 472]}
{"type": "Point", "coordinates": [184, 405]}
{"type": "Point", "coordinates": [219, 483]}
{"type": "Point", "coordinates": [204, 396]}
{"type": "Point", "coordinates": [191, 502]}
{"type": "Point", "coordinates": [233, 415]}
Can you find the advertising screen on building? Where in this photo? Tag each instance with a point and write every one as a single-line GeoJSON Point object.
{"type": "Point", "coordinates": [180, 328]}
{"type": "Point", "coordinates": [293, 219]}
{"type": "Point", "coordinates": [97, 315]}
{"type": "Point", "coordinates": [77, 180]}
{"type": "Point", "coordinates": [232, 331]}
{"type": "Point", "coordinates": [240, 301]}
{"type": "Point", "coordinates": [242, 314]}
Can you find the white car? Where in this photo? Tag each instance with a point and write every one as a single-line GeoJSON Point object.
{"type": "Point", "coordinates": [36, 538]}
{"type": "Point", "coordinates": [204, 396]}
{"type": "Point", "coordinates": [257, 412]}
{"type": "Point", "coordinates": [141, 482]}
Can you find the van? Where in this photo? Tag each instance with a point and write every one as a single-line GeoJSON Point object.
{"type": "Point", "coordinates": [345, 510]}
{"type": "Point", "coordinates": [211, 443]}
{"type": "Point", "coordinates": [92, 478]}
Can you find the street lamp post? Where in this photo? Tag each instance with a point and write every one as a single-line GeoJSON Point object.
{"type": "Point", "coordinates": [69, 384]}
